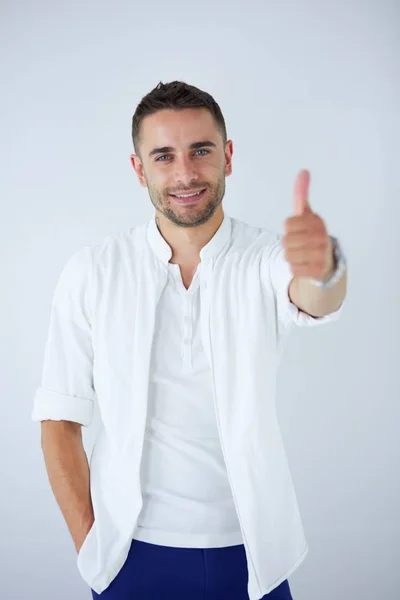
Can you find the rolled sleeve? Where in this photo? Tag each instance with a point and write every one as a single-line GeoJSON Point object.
{"type": "Point", "coordinates": [67, 392]}
{"type": "Point", "coordinates": [281, 276]}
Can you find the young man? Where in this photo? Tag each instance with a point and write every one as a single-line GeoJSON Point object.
{"type": "Point", "coordinates": [175, 328]}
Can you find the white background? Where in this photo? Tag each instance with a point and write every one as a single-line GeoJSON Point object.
{"type": "Point", "coordinates": [301, 84]}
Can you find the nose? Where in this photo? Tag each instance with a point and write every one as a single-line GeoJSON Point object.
{"type": "Point", "coordinates": [185, 172]}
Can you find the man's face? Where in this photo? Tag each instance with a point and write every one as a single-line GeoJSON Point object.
{"type": "Point", "coordinates": [182, 152]}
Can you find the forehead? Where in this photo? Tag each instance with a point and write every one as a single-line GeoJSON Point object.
{"type": "Point", "coordinates": [178, 127]}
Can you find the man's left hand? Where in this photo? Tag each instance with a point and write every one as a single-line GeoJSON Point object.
{"type": "Point", "coordinates": [308, 246]}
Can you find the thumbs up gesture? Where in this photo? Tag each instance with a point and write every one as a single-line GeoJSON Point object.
{"type": "Point", "coordinates": [308, 246]}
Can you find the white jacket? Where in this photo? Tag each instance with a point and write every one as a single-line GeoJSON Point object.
{"type": "Point", "coordinates": [98, 350]}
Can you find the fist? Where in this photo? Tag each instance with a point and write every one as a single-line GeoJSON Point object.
{"type": "Point", "coordinates": [307, 244]}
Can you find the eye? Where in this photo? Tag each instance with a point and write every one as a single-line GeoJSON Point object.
{"type": "Point", "coordinates": [167, 156]}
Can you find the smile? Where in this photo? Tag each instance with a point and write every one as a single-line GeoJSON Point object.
{"type": "Point", "coordinates": [188, 198]}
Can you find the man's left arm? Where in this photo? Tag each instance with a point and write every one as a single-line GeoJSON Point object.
{"type": "Point", "coordinates": [315, 301]}
{"type": "Point", "coordinates": [310, 252]}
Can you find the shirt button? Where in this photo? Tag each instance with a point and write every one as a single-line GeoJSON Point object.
{"type": "Point", "coordinates": [187, 319]}
{"type": "Point", "coordinates": [186, 341]}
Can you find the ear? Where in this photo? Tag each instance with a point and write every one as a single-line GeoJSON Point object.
{"type": "Point", "coordinates": [228, 157]}
{"type": "Point", "coordinates": [138, 167]}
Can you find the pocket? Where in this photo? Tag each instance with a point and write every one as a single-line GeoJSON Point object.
{"type": "Point", "coordinates": [86, 538]}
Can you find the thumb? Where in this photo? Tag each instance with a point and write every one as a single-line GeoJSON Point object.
{"type": "Point", "coordinates": [301, 204]}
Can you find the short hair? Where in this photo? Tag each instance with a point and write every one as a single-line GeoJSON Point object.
{"type": "Point", "coordinates": [176, 95]}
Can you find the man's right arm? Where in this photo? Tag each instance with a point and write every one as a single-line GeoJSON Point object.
{"type": "Point", "coordinates": [68, 471]}
{"type": "Point", "coordinates": [65, 400]}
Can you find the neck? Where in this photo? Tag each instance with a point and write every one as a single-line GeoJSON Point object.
{"type": "Point", "coordinates": [186, 242]}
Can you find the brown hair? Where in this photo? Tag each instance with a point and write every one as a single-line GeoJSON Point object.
{"type": "Point", "coordinates": [175, 95]}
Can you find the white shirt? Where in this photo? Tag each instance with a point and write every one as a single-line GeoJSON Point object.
{"type": "Point", "coordinates": [187, 500]}
{"type": "Point", "coordinates": [99, 349]}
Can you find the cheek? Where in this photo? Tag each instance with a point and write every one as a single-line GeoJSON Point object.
{"type": "Point", "coordinates": [158, 182]}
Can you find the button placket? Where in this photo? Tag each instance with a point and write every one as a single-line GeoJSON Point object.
{"type": "Point", "coordinates": [187, 332]}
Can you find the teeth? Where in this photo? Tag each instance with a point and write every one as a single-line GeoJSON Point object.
{"type": "Point", "coordinates": [188, 195]}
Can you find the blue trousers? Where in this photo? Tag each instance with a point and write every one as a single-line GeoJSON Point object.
{"type": "Point", "coordinates": [153, 572]}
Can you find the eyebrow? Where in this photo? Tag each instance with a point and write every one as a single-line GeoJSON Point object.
{"type": "Point", "coordinates": [194, 146]}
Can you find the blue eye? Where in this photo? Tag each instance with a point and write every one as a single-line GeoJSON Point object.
{"type": "Point", "coordinates": [166, 155]}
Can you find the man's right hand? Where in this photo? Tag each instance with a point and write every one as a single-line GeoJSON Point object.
{"type": "Point", "coordinates": [80, 538]}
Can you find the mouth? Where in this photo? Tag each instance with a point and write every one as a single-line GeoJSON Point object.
{"type": "Point", "coordinates": [188, 198]}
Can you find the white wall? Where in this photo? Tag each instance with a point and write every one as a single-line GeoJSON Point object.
{"type": "Point", "coordinates": [301, 84]}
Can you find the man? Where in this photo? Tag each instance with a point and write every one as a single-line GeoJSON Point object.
{"type": "Point", "coordinates": [175, 328]}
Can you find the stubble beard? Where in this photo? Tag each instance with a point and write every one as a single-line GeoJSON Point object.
{"type": "Point", "coordinates": [194, 216]}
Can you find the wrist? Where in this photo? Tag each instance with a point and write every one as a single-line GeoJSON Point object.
{"type": "Point", "coordinates": [331, 269]}
{"type": "Point", "coordinates": [336, 267]}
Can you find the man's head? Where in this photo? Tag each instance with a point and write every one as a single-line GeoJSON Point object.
{"type": "Point", "coordinates": [180, 142]}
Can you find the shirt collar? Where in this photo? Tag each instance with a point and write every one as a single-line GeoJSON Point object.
{"type": "Point", "coordinates": [163, 250]}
